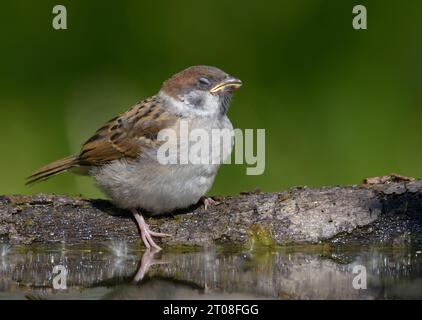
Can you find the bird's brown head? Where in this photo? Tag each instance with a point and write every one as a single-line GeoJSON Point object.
{"type": "Point", "coordinates": [202, 88]}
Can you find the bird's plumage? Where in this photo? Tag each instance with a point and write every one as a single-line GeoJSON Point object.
{"type": "Point", "coordinates": [129, 134]}
{"type": "Point", "coordinates": [125, 136]}
{"type": "Point", "coordinates": [122, 155]}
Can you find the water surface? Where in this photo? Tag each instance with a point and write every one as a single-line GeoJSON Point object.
{"type": "Point", "coordinates": [120, 271]}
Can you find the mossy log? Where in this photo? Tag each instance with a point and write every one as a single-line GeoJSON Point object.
{"type": "Point", "coordinates": [380, 211]}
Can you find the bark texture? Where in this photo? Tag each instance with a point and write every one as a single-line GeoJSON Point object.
{"type": "Point", "coordinates": [382, 212]}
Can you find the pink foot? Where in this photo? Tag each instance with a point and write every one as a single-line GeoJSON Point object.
{"type": "Point", "coordinates": [146, 233]}
{"type": "Point", "coordinates": [206, 201]}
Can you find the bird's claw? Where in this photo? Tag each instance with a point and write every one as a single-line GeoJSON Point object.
{"type": "Point", "coordinates": [206, 201]}
{"type": "Point", "coordinates": [146, 233]}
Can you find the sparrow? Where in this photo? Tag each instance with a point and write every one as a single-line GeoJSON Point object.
{"type": "Point", "coordinates": [122, 155]}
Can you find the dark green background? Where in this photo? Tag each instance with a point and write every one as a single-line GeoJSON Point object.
{"type": "Point", "coordinates": [337, 104]}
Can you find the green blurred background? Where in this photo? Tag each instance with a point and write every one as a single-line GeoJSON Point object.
{"type": "Point", "coordinates": [337, 104]}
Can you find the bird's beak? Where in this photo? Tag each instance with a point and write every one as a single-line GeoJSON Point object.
{"type": "Point", "coordinates": [229, 84]}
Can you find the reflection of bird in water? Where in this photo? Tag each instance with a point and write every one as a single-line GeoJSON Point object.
{"type": "Point", "coordinates": [157, 287]}
{"type": "Point", "coordinates": [146, 262]}
{"type": "Point", "coordinates": [153, 287]}
{"type": "Point", "coordinates": [169, 289]}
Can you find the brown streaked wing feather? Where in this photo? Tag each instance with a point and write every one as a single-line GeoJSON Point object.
{"type": "Point", "coordinates": [127, 135]}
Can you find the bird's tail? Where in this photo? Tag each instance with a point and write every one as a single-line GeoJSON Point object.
{"type": "Point", "coordinates": [52, 169]}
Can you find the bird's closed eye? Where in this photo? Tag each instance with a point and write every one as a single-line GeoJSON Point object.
{"type": "Point", "coordinates": [204, 81]}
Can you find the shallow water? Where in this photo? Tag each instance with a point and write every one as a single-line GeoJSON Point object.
{"type": "Point", "coordinates": [119, 271]}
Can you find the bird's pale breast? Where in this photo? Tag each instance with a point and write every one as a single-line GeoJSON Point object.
{"type": "Point", "coordinates": [155, 187]}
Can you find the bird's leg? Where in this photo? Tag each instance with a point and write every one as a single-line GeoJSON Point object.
{"type": "Point", "coordinates": [207, 201]}
{"type": "Point", "coordinates": [146, 233]}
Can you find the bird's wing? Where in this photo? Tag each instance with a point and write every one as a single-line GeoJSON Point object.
{"type": "Point", "coordinates": [129, 134]}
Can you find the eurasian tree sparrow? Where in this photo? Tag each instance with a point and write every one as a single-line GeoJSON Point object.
{"type": "Point", "coordinates": [122, 155]}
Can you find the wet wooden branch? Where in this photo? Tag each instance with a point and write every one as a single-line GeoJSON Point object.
{"type": "Point", "coordinates": [381, 212]}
